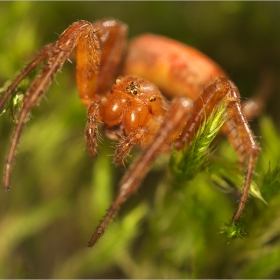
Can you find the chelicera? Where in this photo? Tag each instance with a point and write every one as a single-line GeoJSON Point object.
{"type": "Point", "coordinates": [120, 85]}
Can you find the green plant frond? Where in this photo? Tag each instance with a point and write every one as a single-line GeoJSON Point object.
{"type": "Point", "coordinates": [225, 174]}
{"type": "Point", "coordinates": [271, 182]}
{"type": "Point", "coordinates": [185, 164]}
{"type": "Point", "coordinates": [16, 105]}
{"type": "Point", "coordinates": [14, 102]}
{"type": "Point", "coordinates": [271, 143]}
{"type": "Point", "coordinates": [255, 191]}
{"type": "Point", "coordinates": [233, 230]}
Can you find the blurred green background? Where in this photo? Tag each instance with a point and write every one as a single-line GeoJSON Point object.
{"type": "Point", "coordinates": [59, 194]}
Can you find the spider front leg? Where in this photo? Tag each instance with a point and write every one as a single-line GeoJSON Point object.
{"type": "Point", "coordinates": [178, 113]}
{"type": "Point", "coordinates": [236, 128]}
{"type": "Point", "coordinates": [92, 133]}
{"type": "Point", "coordinates": [123, 148]}
{"type": "Point", "coordinates": [92, 77]}
{"type": "Point", "coordinates": [79, 34]}
{"type": "Point", "coordinates": [44, 54]}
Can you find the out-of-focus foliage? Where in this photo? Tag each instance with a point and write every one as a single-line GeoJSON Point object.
{"type": "Point", "coordinates": [58, 194]}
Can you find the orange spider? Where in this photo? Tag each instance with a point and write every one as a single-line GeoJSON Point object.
{"type": "Point", "coordinates": [132, 109]}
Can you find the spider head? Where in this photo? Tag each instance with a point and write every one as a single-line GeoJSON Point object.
{"type": "Point", "coordinates": [132, 102]}
{"type": "Point", "coordinates": [143, 92]}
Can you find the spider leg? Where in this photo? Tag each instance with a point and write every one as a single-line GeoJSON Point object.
{"type": "Point", "coordinates": [256, 105]}
{"type": "Point", "coordinates": [91, 131]}
{"type": "Point", "coordinates": [236, 128]}
{"type": "Point", "coordinates": [112, 38]}
{"type": "Point", "coordinates": [41, 56]}
{"type": "Point", "coordinates": [124, 147]}
{"type": "Point", "coordinates": [131, 180]}
{"type": "Point", "coordinates": [243, 141]}
{"type": "Point", "coordinates": [80, 34]}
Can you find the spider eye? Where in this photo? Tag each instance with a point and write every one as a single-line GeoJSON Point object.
{"type": "Point", "coordinates": [152, 99]}
{"type": "Point", "coordinates": [118, 80]}
{"type": "Point", "coordinates": [132, 88]}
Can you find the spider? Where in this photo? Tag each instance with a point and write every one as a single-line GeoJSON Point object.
{"type": "Point", "coordinates": [119, 85]}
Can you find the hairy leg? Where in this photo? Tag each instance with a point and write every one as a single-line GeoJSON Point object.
{"type": "Point", "coordinates": [236, 128]}
{"type": "Point", "coordinates": [178, 113]}
{"type": "Point", "coordinates": [80, 33]}
{"type": "Point", "coordinates": [91, 131]}
{"type": "Point", "coordinates": [44, 54]}
{"type": "Point", "coordinates": [125, 145]}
